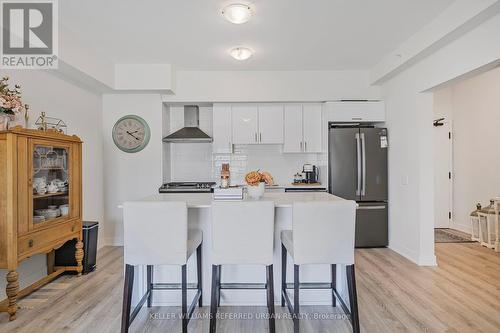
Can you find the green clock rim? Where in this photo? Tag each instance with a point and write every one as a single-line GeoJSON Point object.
{"type": "Point", "coordinates": [147, 134]}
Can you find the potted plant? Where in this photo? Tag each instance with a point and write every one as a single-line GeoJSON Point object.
{"type": "Point", "coordinates": [11, 104]}
{"type": "Point", "coordinates": [256, 182]}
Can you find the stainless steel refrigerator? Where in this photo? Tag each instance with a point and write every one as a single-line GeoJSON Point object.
{"type": "Point", "coordinates": [358, 171]}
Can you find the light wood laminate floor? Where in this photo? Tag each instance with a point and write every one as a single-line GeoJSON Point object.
{"type": "Point", "coordinates": [395, 295]}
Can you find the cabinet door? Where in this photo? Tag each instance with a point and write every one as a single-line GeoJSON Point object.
{"type": "Point", "coordinates": [53, 182]}
{"type": "Point", "coordinates": [312, 128]}
{"type": "Point", "coordinates": [271, 124]}
{"type": "Point", "coordinates": [293, 129]}
{"type": "Point", "coordinates": [373, 111]}
{"type": "Point", "coordinates": [245, 124]}
{"type": "Point", "coordinates": [222, 129]}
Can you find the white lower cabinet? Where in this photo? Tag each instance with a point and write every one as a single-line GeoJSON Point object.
{"type": "Point", "coordinates": [303, 128]}
{"type": "Point", "coordinates": [222, 142]}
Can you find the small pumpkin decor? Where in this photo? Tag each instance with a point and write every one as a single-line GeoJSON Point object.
{"type": "Point", "coordinates": [256, 183]}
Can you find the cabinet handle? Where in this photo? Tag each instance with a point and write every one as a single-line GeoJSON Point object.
{"type": "Point", "coordinates": [255, 136]}
{"type": "Point", "coordinates": [30, 243]}
{"type": "Point", "coordinates": [300, 145]}
{"type": "Point", "coordinates": [72, 228]}
{"type": "Point", "coordinates": [260, 137]}
{"type": "Point", "coordinates": [305, 145]}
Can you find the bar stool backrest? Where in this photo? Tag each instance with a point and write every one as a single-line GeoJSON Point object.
{"type": "Point", "coordinates": [242, 232]}
{"type": "Point", "coordinates": [323, 232]}
{"type": "Point", "coordinates": [155, 233]}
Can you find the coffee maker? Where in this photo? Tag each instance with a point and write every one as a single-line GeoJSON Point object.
{"type": "Point", "coordinates": [311, 173]}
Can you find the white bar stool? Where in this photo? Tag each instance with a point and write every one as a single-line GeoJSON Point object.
{"type": "Point", "coordinates": [156, 233]}
{"type": "Point", "coordinates": [242, 234]}
{"type": "Point", "coordinates": [322, 233]}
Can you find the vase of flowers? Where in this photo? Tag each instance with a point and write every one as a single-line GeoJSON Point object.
{"type": "Point", "coordinates": [257, 182]}
{"type": "Point", "coordinates": [11, 105]}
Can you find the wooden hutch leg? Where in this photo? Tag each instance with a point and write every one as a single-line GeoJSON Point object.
{"type": "Point", "coordinates": [11, 290]}
{"type": "Point", "coordinates": [79, 256]}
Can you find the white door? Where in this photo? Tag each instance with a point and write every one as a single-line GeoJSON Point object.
{"type": "Point", "coordinates": [245, 123]}
{"type": "Point", "coordinates": [222, 129]}
{"type": "Point", "coordinates": [443, 177]}
{"type": "Point", "coordinates": [312, 127]}
{"type": "Point", "coordinates": [293, 129]}
{"type": "Point", "coordinates": [271, 123]}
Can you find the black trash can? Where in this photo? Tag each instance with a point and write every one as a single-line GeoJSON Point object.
{"type": "Point", "coordinates": [65, 255]}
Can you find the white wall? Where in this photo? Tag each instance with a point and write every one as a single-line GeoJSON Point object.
{"type": "Point", "coordinates": [475, 105]}
{"type": "Point", "coordinates": [278, 86]}
{"type": "Point", "coordinates": [129, 176]}
{"type": "Point", "coordinates": [81, 110]}
{"type": "Point", "coordinates": [409, 119]}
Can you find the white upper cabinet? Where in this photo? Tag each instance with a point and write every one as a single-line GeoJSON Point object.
{"type": "Point", "coordinates": [222, 143]}
{"type": "Point", "coordinates": [303, 128]}
{"type": "Point", "coordinates": [270, 123]}
{"type": "Point", "coordinates": [293, 128]}
{"type": "Point", "coordinates": [245, 121]}
{"type": "Point", "coordinates": [312, 127]}
{"type": "Point", "coordinates": [373, 111]}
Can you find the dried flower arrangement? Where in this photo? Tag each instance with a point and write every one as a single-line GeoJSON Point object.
{"type": "Point", "coordinates": [11, 103]}
{"type": "Point", "coordinates": [253, 178]}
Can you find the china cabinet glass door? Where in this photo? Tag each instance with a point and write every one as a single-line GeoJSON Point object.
{"type": "Point", "coordinates": [50, 183]}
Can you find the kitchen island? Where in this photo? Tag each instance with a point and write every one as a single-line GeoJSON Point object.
{"type": "Point", "coordinates": [199, 217]}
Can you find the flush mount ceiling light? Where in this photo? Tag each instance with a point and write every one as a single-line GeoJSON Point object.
{"type": "Point", "coordinates": [237, 13]}
{"type": "Point", "coordinates": [241, 53]}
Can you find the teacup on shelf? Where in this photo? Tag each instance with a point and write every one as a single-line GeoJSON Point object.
{"type": "Point", "coordinates": [41, 189]}
{"type": "Point", "coordinates": [52, 188]}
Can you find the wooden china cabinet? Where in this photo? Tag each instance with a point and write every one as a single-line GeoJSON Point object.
{"type": "Point", "coordinates": [40, 203]}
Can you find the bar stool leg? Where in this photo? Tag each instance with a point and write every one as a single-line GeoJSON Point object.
{"type": "Point", "coordinates": [185, 319]}
{"type": "Point", "coordinates": [219, 276]}
{"type": "Point", "coordinates": [270, 298]}
{"type": "Point", "coordinates": [296, 306]}
{"type": "Point", "coordinates": [283, 274]}
{"type": "Point", "coordinates": [199, 275]}
{"type": "Point", "coordinates": [127, 297]}
{"type": "Point", "coordinates": [150, 282]}
{"type": "Point", "coordinates": [213, 301]}
{"type": "Point", "coordinates": [334, 284]}
{"type": "Point", "coordinates": [353, 298]}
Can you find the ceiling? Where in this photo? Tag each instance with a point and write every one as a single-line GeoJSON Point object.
{"type": "Point", "coordinates": [285, 34]}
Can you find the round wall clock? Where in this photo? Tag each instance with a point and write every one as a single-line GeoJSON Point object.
{"type": "Point", "coordinates": [131, 134]}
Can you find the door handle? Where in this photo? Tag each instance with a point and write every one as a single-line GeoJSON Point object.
{"type": "Point", "coordinates": [363, 164]}
{"type": "Point", "coordinates": [358, 160]}
{"type": "Point", "coordinates": [371, 207]}
{"type": "Point", "coordinates": [260, 134]}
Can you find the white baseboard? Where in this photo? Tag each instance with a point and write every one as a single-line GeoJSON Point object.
{"type": "Point", "coordinates": [461, 227]}
{"type": "Point", "coordinates": [405, 252]}
{"type": "Point", "coordinates": [110, 241]}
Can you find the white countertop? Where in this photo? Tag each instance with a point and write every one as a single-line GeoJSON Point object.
{"type": "Point", "coordinates": [281, 200]}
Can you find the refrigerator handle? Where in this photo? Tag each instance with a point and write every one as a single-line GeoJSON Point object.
{"type": "Point", "coordinates": [363, 164]}
{"type": "Point", "coordinates": [358, 160]}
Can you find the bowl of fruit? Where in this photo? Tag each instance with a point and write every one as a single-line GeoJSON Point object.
{"type": "Point", "coordinates": [256, 183]}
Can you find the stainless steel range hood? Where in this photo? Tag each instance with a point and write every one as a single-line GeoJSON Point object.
{"type": "Point", "coordinates": [190, 132]}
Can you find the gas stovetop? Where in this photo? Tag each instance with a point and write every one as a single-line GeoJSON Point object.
{"type": "Point", "coordinates": [187, 187]}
